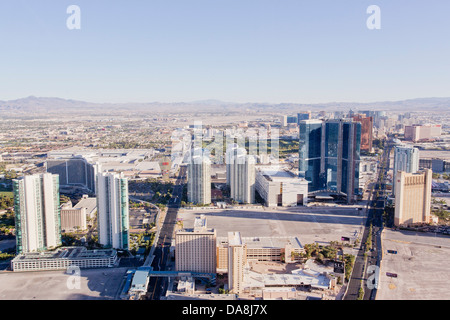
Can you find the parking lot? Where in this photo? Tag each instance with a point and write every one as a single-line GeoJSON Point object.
{"type": "Point", "coordinates": [95, 284]}
{"type": "Point", "coordinates": [421, 264]}
{"type": "Point", "coordinates": [7, 244]}
{"type": "Point", "coordinates": [141, 216]}
{"type": "Point", "coordinates": [309, 224]}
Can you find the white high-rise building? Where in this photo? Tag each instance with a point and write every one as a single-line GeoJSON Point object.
{"type": "Point", "coordinates": [37, 212]}
{"type": "Point", "coordinates": [199, 178]}
{"type": "Point", "coordinates": [405, 159]}
{"type": "Point", "coordinates": [112, 207]}
{"type": "Point", "coordinates": [240, 174]}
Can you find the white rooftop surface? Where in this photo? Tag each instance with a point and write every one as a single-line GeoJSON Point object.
{"type": "Point", "coordinates": [267, 242]}
{"type": "Point", "coordinates": [81, 150]}
{"type": "Point", "coordinates": [66, 253]}
{"type": "Point", "coordinates": [89, 203]}
{"type": "Point", "coordinates": [124, 159]}
{"type": "Point", "coordinates": [297, 278]}
{"type": "Point", "coordinates": [139, 280]}
{"type": "Point", "coordinates": [200, 224]}
{"type": "Point", "coordinates": [312, 121]}
{"type": "Point", "coordinates": [184, 285]}
{"type": "Point", "coordinates": [234, 239]}
{"type": "Point", "coordinates": [278, 174]}
{"type": "Point", "coordinates": [148, 165]}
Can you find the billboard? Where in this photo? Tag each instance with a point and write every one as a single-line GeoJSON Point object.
{"type": "Point", "coordinates": [339, 267]}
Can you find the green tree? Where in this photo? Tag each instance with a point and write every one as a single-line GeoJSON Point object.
{"type": "Point", "coordinates": [361, 292]}
{"type": "Point", "coordinates": [349, 261]}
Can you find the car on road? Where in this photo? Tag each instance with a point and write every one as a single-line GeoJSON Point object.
{"type": "Point", "coordinates": [392, 275]}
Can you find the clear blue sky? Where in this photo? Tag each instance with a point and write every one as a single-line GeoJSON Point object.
{"type": "Point", "coordinates": [233, 50]}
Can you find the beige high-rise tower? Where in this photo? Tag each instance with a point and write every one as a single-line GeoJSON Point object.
{"type": "Point", "coordinates": [195, 249]}
{"type": "Point", "coordinates": [237, 256]}
{"type": "Point", "coordinates": [412, 197]}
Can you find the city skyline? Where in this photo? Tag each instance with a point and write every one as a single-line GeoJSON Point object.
{"type": "Point", "coordinates": [233, 150]}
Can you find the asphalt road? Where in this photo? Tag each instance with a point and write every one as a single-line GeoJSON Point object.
{"type": "Point", "coordinates": [158, 286]}
{"type": "Point", "coordinates": [374, 217]}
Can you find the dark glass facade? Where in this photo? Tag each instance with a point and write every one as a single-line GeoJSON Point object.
{"type": "Point", "coordinates": [309, 151]}
{"type": "Point", "coordinates": [329, 155]}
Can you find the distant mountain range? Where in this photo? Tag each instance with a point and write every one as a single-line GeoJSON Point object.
{"type": "Point", "coordinates": [45, 104]}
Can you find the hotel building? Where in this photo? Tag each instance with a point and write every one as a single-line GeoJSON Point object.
{"type": "Point", "coordinates": [199, 178]}
{"type": "Point", "coordinates": [240, 174]}
{"type": "Point", "coordinates": [195, 249]}
{"type": "Point", "coordinates": [412, 197]}
{"type": "Point", "coordinates": [281, 188]}
{"type": "Point", "coordinates": [405, 159]}
{"type": "Point", "coordinates": [329, 155]}
{"type": "Point", "coordinates": [37, 212]}
{"type": "Point", "coordinates": [113, 215]}
{"type": "Point", "coordinates": [236, 262]}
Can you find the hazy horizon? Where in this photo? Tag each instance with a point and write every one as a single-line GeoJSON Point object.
{"type": "Point", "coordinates": [261, 51]}
{"type": "Point", "coordinates": [212, 101]}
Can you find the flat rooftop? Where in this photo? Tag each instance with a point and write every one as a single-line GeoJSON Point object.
{"type": "Point", "coordinates": [234, 239]}
{"type": "Point", "coordinates": [70, 253]}
{"type": "Point", "coordinates": [308, 224]}
{"type": "Point", "coordinates": [200, 223]}
{"type": "Point", "coordinates": [296, 278]}
{"type": "Point", "coordinates": [95, 284]}
{"type": "Point", "coordinates": [434, 154]}
{"type": "Point", "coordinates": [139, 280]}
{"type": "Point", "coordinates": [279, 175]}
{"type": "Point", "coordinates": [89, 203]}
{"type": "Point", "coordinates": [421, 264]}
{"type": "Point", "coordinates": [267, 242]}
{"type": "Point", "coordinates": [214, 297]}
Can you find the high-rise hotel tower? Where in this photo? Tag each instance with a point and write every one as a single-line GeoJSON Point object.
{"type": "Point", "coordinates": [37, 213]}
{"type": "Point", "coordinates": [241, 174]}
{"type": "Point", "coordinates": [329, 155]}
{"type": "Point", "coordinates": [199, 177]}
{"type": "Point", "coordinates": [406, 159]}
{"type": "Point", "coordinates": [112, 208]}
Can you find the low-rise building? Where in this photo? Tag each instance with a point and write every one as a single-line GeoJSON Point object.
{"type": "Point", "coordinates": [76, 217]}
{"type": "Point", "coordinates": [139, 284]}
{"type": "Point", "coordinates": [281, 187]}
{"type": "Point", "coordinates": [62, 258]}
{"type": "Point", "coordinates": [260, 249]}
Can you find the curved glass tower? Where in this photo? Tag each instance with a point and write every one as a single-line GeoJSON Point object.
{"type": "Point", "coordinates": [329, 155]}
